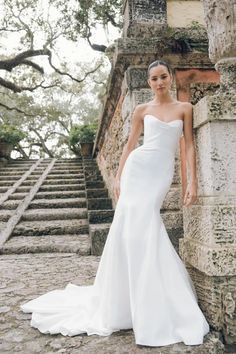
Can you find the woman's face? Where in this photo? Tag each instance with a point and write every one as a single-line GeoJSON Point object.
{"type": "Point", "coordinates": [159, 79]}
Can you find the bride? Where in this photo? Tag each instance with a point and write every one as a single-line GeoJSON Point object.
{"type": "Point", "coordinates": [141, 281]}
{"type": "Point", "coordinates": [160, 79]}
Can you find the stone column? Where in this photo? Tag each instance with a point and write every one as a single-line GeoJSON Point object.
{"type": "Point", "coordinates": [209, 243]}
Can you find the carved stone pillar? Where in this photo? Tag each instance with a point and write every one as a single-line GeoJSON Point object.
{"type": "Point", "coordinates": [209, 243]}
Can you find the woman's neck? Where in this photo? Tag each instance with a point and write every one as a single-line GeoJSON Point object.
{"type": "Point", "coordinates": [163, 100]}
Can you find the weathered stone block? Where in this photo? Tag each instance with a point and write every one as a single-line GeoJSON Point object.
{"type": "Point", "coordinates": [214, 260]}
{"type": "Point", "coordinates": [141, 18]}
{"type": "Point", "coordinates": [217, 299]}
{"type": "Point", "coordinates": [211, 224]}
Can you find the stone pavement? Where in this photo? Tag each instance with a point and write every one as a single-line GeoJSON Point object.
{"type": "Point", "coordinates": [26, 276]}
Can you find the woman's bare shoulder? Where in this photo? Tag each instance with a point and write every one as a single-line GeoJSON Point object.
{"type": "Point", "coordinates": [141, 107]}
{"type": "Point", "coordinates": [139, 111]}
{"type": "Point", "coordinates": [185, 105]}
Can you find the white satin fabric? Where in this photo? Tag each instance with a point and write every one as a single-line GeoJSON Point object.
{"type": "Point", "coordinates": [141, 281]}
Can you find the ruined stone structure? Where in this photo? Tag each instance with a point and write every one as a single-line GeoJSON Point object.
{"type": "Point", "coordinates": [176, 31]}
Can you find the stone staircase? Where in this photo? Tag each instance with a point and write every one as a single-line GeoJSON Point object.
{"type": "Point", "coordinates": [69, 210]}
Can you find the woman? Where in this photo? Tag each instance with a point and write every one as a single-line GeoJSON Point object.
{"type": "Point", "coordinates": [160, 79]}
{"type": "Point", "coordinates": [141, 282]}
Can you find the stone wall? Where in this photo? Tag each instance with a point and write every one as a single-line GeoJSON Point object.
{"type": "Point", "coordinates": [180, 15]}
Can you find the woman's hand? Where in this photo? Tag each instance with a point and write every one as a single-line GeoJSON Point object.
{"type": "Point", "coordinates": [190, 194]}
{"type": "Point", "coordinates": [116, 187]}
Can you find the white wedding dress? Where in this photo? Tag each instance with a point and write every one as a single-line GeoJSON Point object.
{"type": "Point", "coordinates": [141, 281]}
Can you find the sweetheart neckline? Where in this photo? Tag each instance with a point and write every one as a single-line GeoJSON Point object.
{"type": "Point", "coordinates": [150, 115]}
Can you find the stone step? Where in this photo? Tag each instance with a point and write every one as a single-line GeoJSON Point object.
{"type": "Point", "coordinates": [17, 169]}
{"type": "Point", "coordinates": [18, 166]}
{"type": "Point", "coordinates": [51, 227]}
{"type": "Point", "coordinates": [23, 189]}
{"type": "Point", "coordinates": [58, 203]}
{"type": "Point", "coordinates": [65, 171]}
{"type": "Point", "coordinates": [98, 234]}
{"type": "Point", "coordinates": [95, 184]}
{"type": "Point", "coordinates": [64, 181]}
{"type": "Point", "coordinates": [62, 187]}
{"type": "Point", "coordinates": [89, 169]}
{"type": "Point", "coordinates": [47, 203]}
{"type": "Point", "coordinates": [33, 177]}
{"type": "Point", "coordinates": [38, 170]}
{"type": "Point", "coordinates": [11, 174]}
{"type": "Point", "coordinates": [89, 161]}
{"type": "Point", "coordinates": [5, 215]}
{"type": "Point", "coordinates": [69, 161]}
{"type": "Point", "coordinates": [25, 165]}
{"type": "Point", "coordinates": [100, 216]}
{"type": "Point", "coordinates": [9, 178]}
{"type": "Point", "coordinates": [61, 194]}
{"type": "Point", "coordinates": [60, 170]}
{"type": "Point", "coordinates": [47, 244]}
{"type": "Point", "coordinates": [64, 166]}
{"type": "Point", "coordinates": [54, 214]}
{"type": "Point", "coordinates": [3, 189]}
{"type": "Point", "coordinates": [91, 164]}
{"type": "Point", "coordinates": [97, 193]}
{"type": "Point", "coordinates": [93, 178]}
{"type": "Point", "coordinates": [99, 203]}
{"type": "Point", "coordinates": [50, 195]}
{"type": "Point", "coordinates": [18, 161]}
{"type": "Point", "coordinates": [28, 182]}
{"type": "Point", "coordinates": [2, 225]}
{"type": "Point", "coordinates": [66, 176]}
{"type": "Point", "coordinates": [7, 183]}
{"type": "Point", "coordinates": [9, 205]}
{"type": "Point", "coordinates": [17, 196]}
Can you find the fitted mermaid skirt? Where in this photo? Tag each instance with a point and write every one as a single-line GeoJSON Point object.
{"type": "Point", "coordinates": [141, 281]}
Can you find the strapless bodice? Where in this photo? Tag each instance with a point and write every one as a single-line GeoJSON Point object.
{"type": "Point", "coordinates": [161, 135]}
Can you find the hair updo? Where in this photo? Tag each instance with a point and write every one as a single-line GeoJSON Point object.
{"type": "Point", "coordinates": [159, 62]}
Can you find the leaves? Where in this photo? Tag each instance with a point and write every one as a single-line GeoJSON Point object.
{"type": "Point", "coordinates": [10, 134]}
{"type": "Point", "coordinates": [46, 98]}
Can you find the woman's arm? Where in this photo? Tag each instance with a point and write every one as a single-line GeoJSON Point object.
{"type": "Point", "coordinates": [135, 132]}
{"type": "Point", "coordinates": [190, 153]}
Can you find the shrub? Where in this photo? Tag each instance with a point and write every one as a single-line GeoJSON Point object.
{"type": "Point", "coordinates": [82, 134]}
{"type": "Point", "coordinates": [10, 134]}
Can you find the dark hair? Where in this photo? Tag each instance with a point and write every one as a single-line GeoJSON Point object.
{"type": "Point", "coordinates": [159, 62]}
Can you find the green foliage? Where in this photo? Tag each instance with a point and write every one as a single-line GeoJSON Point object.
{"type": "Point", "coordinates": [48, 113]}
{"type": "Point", "coordinates": [10, 134]}
{"type": "Point", "coordinates": [195, 29]}
{"type": "Point", "coordinates": [93, 12]}
{"type": "Point", "coordinates": [82, 134]}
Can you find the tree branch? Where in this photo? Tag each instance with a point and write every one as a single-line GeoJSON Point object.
{"type": "Point", "coordinates": [9, 64]}
{"type": "Point", "coordinates": [34, 65]}
{"type": "Point", "coordinates": [69, 75]}
{"type": "Point", "coordinates": [15, 88]}
{"type": "Point", "coordinates": [43, 145]}
{"type": "Point", "coordinates": [21, 150]}
{"type": "Point", "coordinates": [63, 125]}
{"type": "Point", "coordinates": [111, 19]}
{"type": "Point", "coordinates": [98, 47]}
{"type": "Point", "coordinates": [15, 109]}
